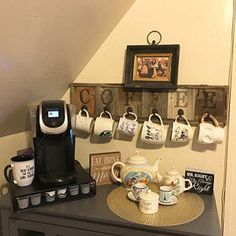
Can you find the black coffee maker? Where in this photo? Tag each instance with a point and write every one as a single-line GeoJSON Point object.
{"type": "Point", "coordinates": [54, 144]}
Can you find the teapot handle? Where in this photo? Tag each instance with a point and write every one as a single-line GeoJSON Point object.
{"type": "Point", "coordinates": [113, 173]}
{"type": "Point", "coordinates": [190, 184]}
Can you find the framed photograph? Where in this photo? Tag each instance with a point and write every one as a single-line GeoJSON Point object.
{"type": "Point", "coordinates": [100, 166]}
{"type": "Point", "coordinates": [152, 67]}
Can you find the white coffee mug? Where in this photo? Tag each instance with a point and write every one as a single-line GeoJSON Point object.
{"type": "Point", "coordinates": [153, 133]}
{"type": "Point", "coordinates": [219, 135]}
{"type": "Point", "coordinates": [22, 167]}
{"type": "Point", "coordinates": [127, 126]}
{"type": "Point", "coordinates": [84, 123]}
{"type": "Point", "coordinates": [104, 126]}
{"type": "Point", "coordinates": [210, 133]}
{"type": "Point", "coordinates": [166, 194]}
{"type": "Point", "coordinates": [181, 132]}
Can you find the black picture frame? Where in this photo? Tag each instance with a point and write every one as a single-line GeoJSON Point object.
{"type": "Point", "coordinates": [152, 67]}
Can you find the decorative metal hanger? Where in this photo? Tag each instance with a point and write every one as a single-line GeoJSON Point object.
{"type": "Point", "coordinates": [154, 43]}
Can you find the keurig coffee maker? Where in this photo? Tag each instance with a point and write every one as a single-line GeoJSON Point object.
{"type": "Point", "coordinates": [58, 176]}
{"type": "Point", "coordinates": [54, 144]}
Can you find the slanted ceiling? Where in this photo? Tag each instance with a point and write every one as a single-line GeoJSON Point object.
{"type": "Point", "coordinates": [44, 46]}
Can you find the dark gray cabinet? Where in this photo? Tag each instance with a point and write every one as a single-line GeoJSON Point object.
{"type": "Point", "coordinates": [92, 217]}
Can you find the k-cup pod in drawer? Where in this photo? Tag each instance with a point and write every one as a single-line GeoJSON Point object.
{"type": "Point", "coordinates": [50, 196]}
{"type": "Point", "coordinates": [23, 202]}
{"type": "Point", "coordinates": [35, 199]}
{"type": "Point", "coordinates": [74, 190]}
{"type": "Point", "coordinates": [61, 192]}
{"type": "Point", "coordinates": [85, 188]}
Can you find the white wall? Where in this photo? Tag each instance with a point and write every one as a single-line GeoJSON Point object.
{"type": "Point", "coordinates": [230, 206]}
{"type": "Point", "coordinates": [203, 30]}
{"type": "Point", "coordinates": [44, 46]}
{"type": "Point", "coordinates": [8, 147]}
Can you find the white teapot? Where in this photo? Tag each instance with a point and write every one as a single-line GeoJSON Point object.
{"type": "Point", "coordinates": [136, 169]}
{"type": "Point", "coordinates": [176, 180]}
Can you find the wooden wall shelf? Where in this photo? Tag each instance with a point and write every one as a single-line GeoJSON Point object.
{"type": "Point", "coordinates": [194, 100]}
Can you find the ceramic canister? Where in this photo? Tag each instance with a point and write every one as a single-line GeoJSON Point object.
{"type": "Point", "coordinates": [148, 202]}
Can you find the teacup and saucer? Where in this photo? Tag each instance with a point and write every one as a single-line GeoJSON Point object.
{"type": "Point", "coordinates": [167, 196]}
{"type": "Point", "coordinates": [136, 189]}
{"type": "Point", "coordinates": [132, 197]}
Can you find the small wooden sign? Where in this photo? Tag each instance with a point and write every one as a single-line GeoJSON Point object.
{"type": "Point", "coordinates": [100, 166]}
{"type": "Point", "coordinates": [202, 180]}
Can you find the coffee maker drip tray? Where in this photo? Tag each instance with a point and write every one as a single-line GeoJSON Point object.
{"type": "Point", "coordinates": [57, 179]}
{"type": "Point", "coordinates": [38, 195]}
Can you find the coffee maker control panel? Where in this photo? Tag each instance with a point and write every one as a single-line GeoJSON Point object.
{"type": "Point", "coordinates": [53, 118]}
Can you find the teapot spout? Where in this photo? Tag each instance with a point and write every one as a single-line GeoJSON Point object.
{"type": "Point", "coordinates": [155, 169]}
{"type": "Point", "coordinates": [156, 165]}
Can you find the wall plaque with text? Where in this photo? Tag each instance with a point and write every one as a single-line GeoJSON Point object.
{"type": "Point", "coordinates": [202, 180]}
{"type": "Point", "coordinates": [100, 166]}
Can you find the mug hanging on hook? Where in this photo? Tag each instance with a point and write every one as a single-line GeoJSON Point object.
{"type": "Point", "coordinates": [126, 125]}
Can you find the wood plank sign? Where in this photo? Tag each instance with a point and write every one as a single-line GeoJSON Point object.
{"type": "Point", "coordinates": [194, 100]}
{"type": "Point", "coordinates": [202, 180]}
{"type": "Point", "coordinates": [100, 166]}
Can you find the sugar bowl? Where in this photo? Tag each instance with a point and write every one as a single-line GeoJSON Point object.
{"type": "Point", "coordinates": [148, 202]}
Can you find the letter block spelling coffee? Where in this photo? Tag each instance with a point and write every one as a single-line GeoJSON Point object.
{"type": "Point", "coordinates": [202, 180]}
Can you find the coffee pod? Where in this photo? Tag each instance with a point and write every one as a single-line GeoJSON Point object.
{"type": "Point", "coordinates": [74, 190]}
{"type": "Point", "coordinates": [61, 192]}
{"type": "Point", "coordinates": [128, 126]}
{"type": "Point", "coordinates": [35, 199]}
{"type": "Point", "coordinates": [50, 196]}
{"type": "Point", "coordinates": [85, 188]}
{"type": "Point", "coordinates": [23, 202]}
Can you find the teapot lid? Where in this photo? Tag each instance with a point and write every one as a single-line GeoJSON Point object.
{"type": "Point", "coordinates": [137, 159]}
{"type": "Point", "coordinates": [173, 171]}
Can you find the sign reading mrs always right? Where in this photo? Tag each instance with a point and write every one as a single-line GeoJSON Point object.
{"type": "Point", "coordinates": [202, 180]}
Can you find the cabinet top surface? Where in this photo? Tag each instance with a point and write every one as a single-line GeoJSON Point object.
{"type": "Point", "coordinates": [96, 210]}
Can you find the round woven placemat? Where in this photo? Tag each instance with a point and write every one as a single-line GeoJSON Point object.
{"type": "Point", "coordinates": [189, 207]}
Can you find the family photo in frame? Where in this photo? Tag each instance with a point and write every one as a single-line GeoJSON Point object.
{"type": "Point", "coordinates": [152, 67]}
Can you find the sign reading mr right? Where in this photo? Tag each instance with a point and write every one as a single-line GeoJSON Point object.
{"type": "Point", "coordinates": [202, 180]}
